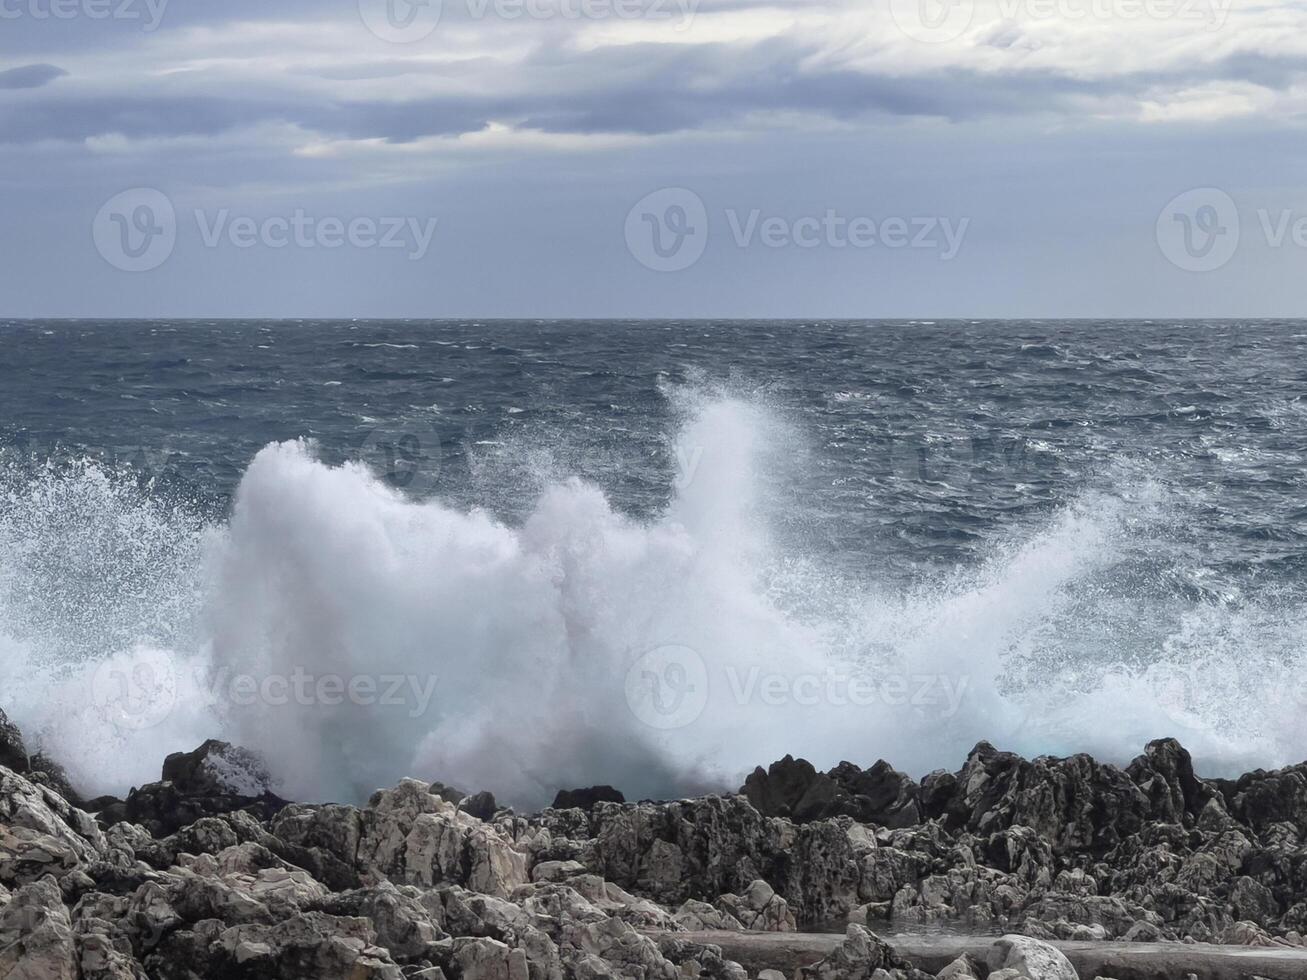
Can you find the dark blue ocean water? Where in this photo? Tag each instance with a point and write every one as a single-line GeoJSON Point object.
{"type": "Point", "coordinates": [916, 440]}
{"type": "Point", "coordinates": [1092, 514]}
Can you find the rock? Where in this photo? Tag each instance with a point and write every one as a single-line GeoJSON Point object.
{"type": "Point", "coordinates": [557, 870]}
{"type": "Point", "coordinates": [213, 883]}
{"type": "Point", "coordinates": [585, 799]}
{"type": "Point", "coordinates": [1260, 799]}
{"type": "Point", "coordinates": [28, 855]}
{"type": "Point", "coordinates": [790, 788]}
{"type": "Point", "coordinates": [13, 753]}
{"type": "Point", "coordinates": [487, 959]}
{"type": "Point", "coordinates": [40, 832]}
{"type": "Point", "coordinates": [857, 958]}
{"type": "Point", "coordinates": [217, 769]}
{"type": "Point", "coordinates": [881, 795]}
{"type": "Point", "coordinates": [37, 767]}
{"type": "Point", "coordinates": [404, 924]}
{"type": "Point", "coordinates": [1165, 773]}
{"type": "Point", "coordinates": [447, 793]}
{"type": "Point", "coordinates": [36, 936]}
{"type": "Point", "coordinates": [312, 944]}
{"type": "Point", "coordinates": [963, 968]}
{"type": "Point", "coordinates": [214, 779]}
{"type": "Point", "coordinates": [417, 838]}
{"type": "Point", "coordinates": [759, 909]}
{"type": "Point", "coordinates": [1030, 958]}
{"type": "Point", "coordinates": [480, 805]}
{"type": "Point", "coordinates": [46, 772]}
{"type": "Point", "coordinates": [614, 942]}
{"type": "Point", "coordinates": [700, 959]}
{"type": "Point", "coordinates": [696, 916]}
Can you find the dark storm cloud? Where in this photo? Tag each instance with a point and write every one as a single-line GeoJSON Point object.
{"type": "Point", "coordinates": [30, 76]}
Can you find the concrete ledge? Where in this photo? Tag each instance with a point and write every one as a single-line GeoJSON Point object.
{"type": "Point", "coordinates": [932, 952]}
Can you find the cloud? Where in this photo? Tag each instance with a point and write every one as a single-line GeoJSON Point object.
{"type": "Point", "coordinates": [30, 76]}
{"type": "Point", "coordinates": [735, 65]}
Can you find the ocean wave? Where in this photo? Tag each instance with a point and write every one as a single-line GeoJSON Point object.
{"type": "Point", "coordinates": [580, 645]}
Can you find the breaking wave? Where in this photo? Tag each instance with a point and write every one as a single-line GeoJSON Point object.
{"type": "Point", "coordinates": [354, 636]}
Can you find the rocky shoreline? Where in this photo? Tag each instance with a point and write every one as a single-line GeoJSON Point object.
{"type": "Point", "coordinates": [207, 873]}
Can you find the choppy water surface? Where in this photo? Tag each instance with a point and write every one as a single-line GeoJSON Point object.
{"type": "Point", "coordinates": [846, 540]}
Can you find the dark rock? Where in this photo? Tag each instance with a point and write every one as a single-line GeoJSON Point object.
{"type": "Point", "coordinates": [1165, 774]}
{"type": "Point", "coordinates": [13, 753]}
{"type": "Point", "coordinates": [882, 795]}
{"type": "Point", "coordinates": [938, 790]}
{"type": "Point", "coordinates": [793, 788]}
{"type": "Point", "coordinates": [195, 879]}
{"type": "Point", "coordinates": [585, 799]}
{"type": "Point", "coordinates": [447, 793]}
{"type": "Point", "coordinates": [788, 787]}
{"type": "Point", "coordinates": [480, 805]}
{"type": "Point", "coordinates": [37, 767]}
{"type": "Point", "coordinates": [1260, 799]}
{"type": "Point", "coordinates": [216, 769]}
{"type": "Point", "coordinates": [1077, 803]}
{"type": "Point", "coordinates": [214, 779]}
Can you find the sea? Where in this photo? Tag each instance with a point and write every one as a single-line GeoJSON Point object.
{"type": "Point", "coordinates": [527, 555]}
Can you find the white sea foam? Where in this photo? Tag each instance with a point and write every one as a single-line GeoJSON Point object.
{"type": "Point", "coordinates": [581, 646]}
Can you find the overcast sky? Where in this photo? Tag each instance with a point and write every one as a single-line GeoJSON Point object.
{"type": "Point", "coordinates": [545, 158]}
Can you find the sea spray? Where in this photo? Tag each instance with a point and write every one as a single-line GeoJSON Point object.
{"type": "Point", "coordinates": [580, 645]}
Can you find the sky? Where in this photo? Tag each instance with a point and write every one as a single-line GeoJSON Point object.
{"type": "Point", "coordinates": [653, 158]}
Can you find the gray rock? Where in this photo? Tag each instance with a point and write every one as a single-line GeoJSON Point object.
{"type": "Point", "coordinates": [36, 935]}
{"type": "Point", "coordinates": [1029, 957]}
{"type": "Point", "coordinates": [858, 958]}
